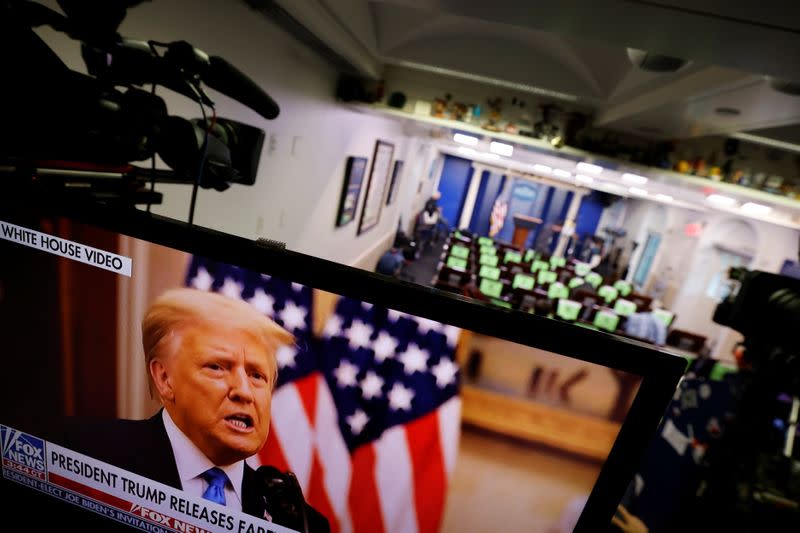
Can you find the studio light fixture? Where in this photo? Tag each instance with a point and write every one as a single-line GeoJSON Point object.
{"type": "Point", "coordinates": [561, 173]}
{"type": "Point", "coordinates": [491, 156]}
{"type": "Point", "coordinates": [466, 151]}
{"type": "Point", "coordinates": [469, 140]}
{"type": "Point", "coordinates": [635, 179]}
{"type": "Point", "coordinates": [664, 197]}
{"type": "Point", "coordinates": [756, 209]}
{"type": "Point", "coordinates": [638, 191]}
{"type": "Point", "coordinates": [544, 169]}
{"type": "Point", "coordinates": [590, 168]}
{"type": "Point", "coordinates": [580, 178]}
{"type": "Point", "coordinates": [501, 148]}
{"type": "Point", "coordinates": [718, 199]}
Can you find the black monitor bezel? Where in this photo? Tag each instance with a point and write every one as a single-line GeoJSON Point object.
{"type": "Point", "coordinates": [660, 371]}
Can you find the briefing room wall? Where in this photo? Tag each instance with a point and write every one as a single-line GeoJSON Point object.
{"type": "Point", "coordinates": [297, 190]}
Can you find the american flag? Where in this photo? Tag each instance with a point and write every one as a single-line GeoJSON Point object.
{"type": "Point", "coordinates": [366, 414]}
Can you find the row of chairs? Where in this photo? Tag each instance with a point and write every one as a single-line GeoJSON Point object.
{"type": "Point", "coordinates": [499, 273]}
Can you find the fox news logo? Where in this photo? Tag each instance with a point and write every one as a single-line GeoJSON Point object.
{"type": "Point", "coordinates": [22, 452]}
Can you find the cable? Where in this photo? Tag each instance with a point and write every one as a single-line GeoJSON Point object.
{"type": "Point", "coordinates": [204, 153]}
{"type": "Point", "coordinates": [153, 157]}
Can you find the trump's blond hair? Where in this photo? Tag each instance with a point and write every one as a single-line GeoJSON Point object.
{"type": "Point", "coordinates": [179, 309]}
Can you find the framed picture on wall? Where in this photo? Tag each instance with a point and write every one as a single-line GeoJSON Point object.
{"type": "Point", "coordinates": [353, 178]}
{"type": "Point", "coordinates": [376, 186]}
{"type": "Point", "coordinates": [397, 170]}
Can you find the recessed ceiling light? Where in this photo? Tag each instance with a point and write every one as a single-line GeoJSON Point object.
{"type": "Point", "coordinates": [469, 140]}
{"type": "Point", "coordinates": [637, 191]}
{"type": "Point", "coordinates": [756, 209]}
{"type": "Point", "coordinates": [491, 156]}
{"type": "Point", "coordinates": [466, 151]}
{"type": "Point", "coordinates": [664, 197]}
{"type": "Point", "coordinates": [580, 178]}
{"type": "Point", "coordinates": [590, 168]}
{"type": "Point", "coordinates": [634, 178]}
{"type": "Point", "coordinates": [561, 173]}
{"type": "Point", "coordinates": [544, 169]}
{"type": "Point", "coordinates": [501, 148]}
{"type": "Point", "coordinates": [719, 199]}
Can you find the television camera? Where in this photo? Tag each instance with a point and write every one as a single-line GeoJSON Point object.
{"type": "Point", "coordinates": [752, 481]}
{"type": "Point", "coordinates": [71, 131]}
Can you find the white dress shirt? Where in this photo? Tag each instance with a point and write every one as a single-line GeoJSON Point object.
{"type": "Point", "coordinates": [192, 463]}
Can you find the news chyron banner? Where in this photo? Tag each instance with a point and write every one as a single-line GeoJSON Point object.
{"type": "Point", "coordinates": [69, 249]}
{"type": "Point", "coordinates": [116, 493]}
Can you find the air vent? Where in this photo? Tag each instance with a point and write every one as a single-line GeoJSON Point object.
{"type": "Point", "coordinates": [656, 62]}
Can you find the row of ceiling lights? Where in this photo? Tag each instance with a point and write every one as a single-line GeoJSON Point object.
{"type": "Point", "coordinates": [498, 149]}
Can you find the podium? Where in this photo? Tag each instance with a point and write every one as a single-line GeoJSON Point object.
{"type": "Point", "coordinates": [523, 224]}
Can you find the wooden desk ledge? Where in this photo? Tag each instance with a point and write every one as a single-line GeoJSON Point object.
{"type": "Point", "coordinates": [559, 428]}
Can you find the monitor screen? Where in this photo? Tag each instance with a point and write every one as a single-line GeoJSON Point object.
{"type": "Point", "coordinates": [152, 357]}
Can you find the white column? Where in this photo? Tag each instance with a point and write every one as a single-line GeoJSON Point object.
{"type": "Point", "coordinates": [472, 195]}
{"type": "Point", "coordinates": [568, 227]}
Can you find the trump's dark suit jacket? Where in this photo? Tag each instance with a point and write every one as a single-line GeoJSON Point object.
{"type": "Point", "coordinates": [143, 447]}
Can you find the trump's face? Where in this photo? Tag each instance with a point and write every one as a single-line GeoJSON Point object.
{"type": "Point", "coordinates": [216, 386]}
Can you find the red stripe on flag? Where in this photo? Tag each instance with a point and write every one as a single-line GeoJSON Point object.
{"type": "Point", "coordinates": [307, 389]}
{"type": "Point", "coordinates": [317, 495]}
{"type": "Point", "coordinates": [365, 507]}
{"type": "Point", "coordinates": [430, 479]}
{"type": "Point", "coordinates": [272, 453]}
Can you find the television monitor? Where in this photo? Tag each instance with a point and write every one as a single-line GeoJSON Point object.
{"type": "Point", "coordinates": [489, 260]}
{"type": "Point", "coordinates": [523, 281]}
{"type": "Point", "coordinates": [624, 307]}
{"type": "Point", "coordinates": [568, 309]}
{"type": "Point", "coordinates": [512, 257]}
{"type": "Point", "coordinates": [457, 263]}
{"type": "Point", "coordinates": [459, 250]}
{"type": "Point", "coordinates": [371, 410]}
{"type": "Point", "coordinates": [545, 276]}
{"type": "Point", "coordinates": [489, 272]}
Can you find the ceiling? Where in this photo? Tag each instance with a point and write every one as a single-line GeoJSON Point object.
{"type": "Point", "coordinates": [575, 51]}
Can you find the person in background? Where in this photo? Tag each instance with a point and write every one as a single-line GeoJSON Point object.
{"type": "Point", "coordinates": [645, 325]}
{"type": "Point", "coordinates": [390, 263]}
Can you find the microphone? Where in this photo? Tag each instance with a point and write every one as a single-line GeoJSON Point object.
{"type": "Point", "coordinates": [284, 498]}
{"type": "Point", "coordinates": [232, 82]}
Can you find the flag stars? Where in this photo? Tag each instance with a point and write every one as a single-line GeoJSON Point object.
{"type": "Point", "coordinates": [333, 326]}
{"type": "Point", "coordinates": [445, 372]}
{"type": "Point", "coordinates": [345, 374]}
{"type": "Point", "coordinates": [371, 386]}
{"type": "Point", "coordinates": [203, 280]}
{"type": "Point", "coordinates": [414, 359]}
{"type": "Point", "coordinates": [357, 421]}
{"type": "Point", "coordinates": [424, 325]}
{"type": "Point", "coordinates": [384, 346]}
{"type": "Point", "coordinates": [400, 398]}
{"type": "Point", "coordinates": [452, 333]}
{"type": "Point", "coordinates": [293, 316]}
{"type": "Point", "coordinates": [231, 288]}
{"type": "Point", "coordinates": [394, 316]}
{"type": "Point", "coordinates": [263, 302]}
{"type": "Point", "coordinates": [285, 356]}
{"type": "Point", "coordinates": [359, 334]}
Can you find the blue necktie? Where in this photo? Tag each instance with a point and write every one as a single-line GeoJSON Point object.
{"type": "Point", "coordinates": [216, 480]}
